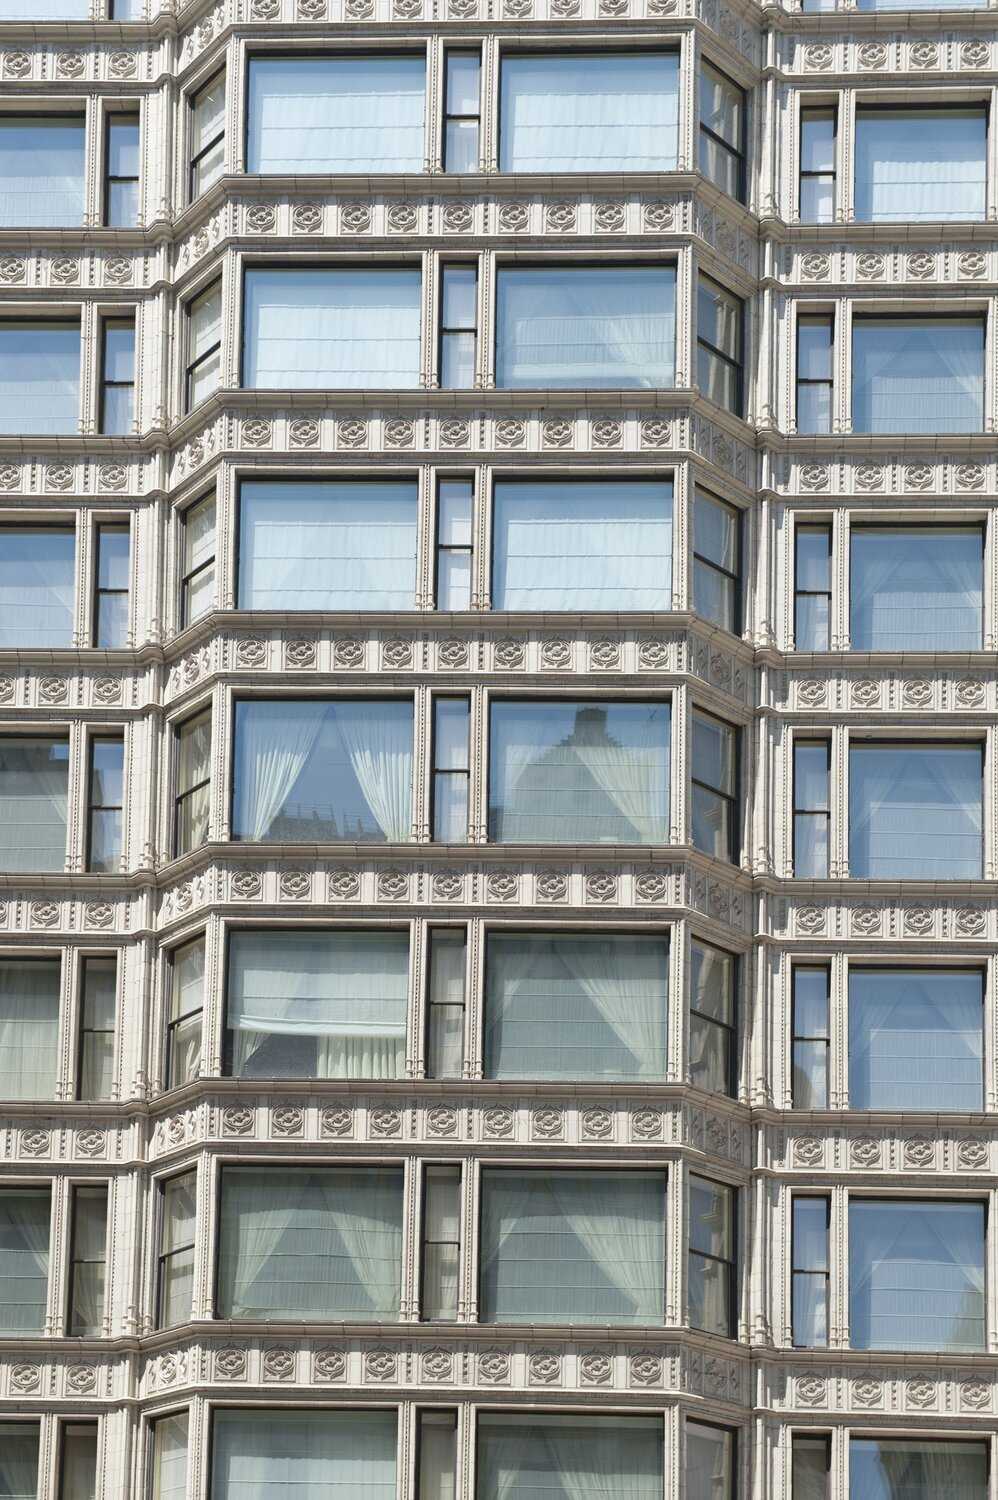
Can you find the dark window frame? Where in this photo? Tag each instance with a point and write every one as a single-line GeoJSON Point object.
{"type": "Point", "coordinates": [84, 1031]}
{"type": "Point", "coordinates": [731, 1262]}
{"type": "Point", "coordinates": [65, 1425]}
{"type": "Point", "coordinates": [448, 113]}
{"type": "Point", "coordinates": [113, 117]}
{"type": "Point", "coordinates": [734, 578]}
{"type": "Point", "coordinates": [196, 157]}
{"type": "Point", "coordinates": [738, 154]}
{"type": "Point", "coordinates": [802, 1036]}
{"type": "Point", "coordinates": [813, 812]}
{"type": "Point", "coordinates": [425, 1243]}
{"type": "Point", "coordinates": [186, 579]}
{"type": "Point", "coordinates": [810, 527]}
{"type": "Point", "coordinates": [798, 1271]}
{"type": "Point", "coordinates": [99, 807]}
{"type": "Point", "coordinates": [174, 1023]}
{"type": "Point", "coordinates": [163, 1256]}
{"type": "Point", "coordinates": [445, 331]}
{"type": "Point", "coordinates": [431, 1005]}
{"type": "Point", "coordinates": [453, 549]}
{"type": "Point", "coordinates": [828, 382]}
{"type": "Point", "coordinates": [436, 774]}
{"type": "Point", "coordinates": [808, 114]}
{"type": "Point", "coordinates": [803, 1436]}
{"type": "Point", "coordinates": [191, 366]}
{"type": "Point", "coordinates": [108, 324]}
{"type": "Point", "coordinates": [95, 1189]}
{"type": "Point", "coordinates": [736, 365]}
{"type": "Point", "coordinates": [104, 527]}
{"type": "Point", "coordinates": [182, 797]}
{"type": "Point", "coordinates": [732, 800]}
{"type": "Point", "coordinates": [729, 1028]}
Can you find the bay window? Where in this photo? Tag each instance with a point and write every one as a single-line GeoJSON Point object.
{"type": "Point", "coordinates": [177, 1230]}
{"type": "Point", "coordinates": [567, 544]}
{"type": "Point", "coordinates": [29, 1027]}
{"type": "Point", "coordinates": [323, 770]}
{"type": "Point", "coordinates": [916, 1039]}
{"type": "Point", "coordinates": [589, 112]}
{"type": "Point", "coordinates": [335, 114]}
{"type": "Point", "coordinates": [528, 1454]}
{"type": "Point", "coordinates": [317, 1243]}
{"type": "Point", "coordinates": [722, 131]}
{"type": "Point", "coordinates": [331, 328]}
{"type": "Point", "coordinates": [573, 1247]}
{"type": "Point", "coordinates": [25, 1215]}
{"type": "Point", "coordinates": [582, 772]}
{"type": "Point", "coordinates": [37, 586]}
{"type": "Point", "coordinates": [915, 811]}
{"type": "Point", "coordinates": [712, 1290]}
{"type": "Point", "coordinates": [42, 170]}
{"type": "Point", "coordinates": [720, 340]}
{"type": "Point", "coordinates": [918, 1468]}
{"type": "Point", "coordinates": [916, 1274]}
{"type": "Point", "coordinates": [920, 163]}
{"type": "Point", "coordinates": [714, 787]}
{"type": "Point", "coordinates": [918, 375]}
{"type": "Point", "coordinates": [585, 327]}
{"type": "Point", "coordinates": [916, 588]}
{"type": "Point", "coordinates": [312, 1004]}
{"type": "Point", "coordinates": [717, 560]}
{"type": "Point", "coordinates": [347, 544]}
{"type": "Point", "coordinates": [40, 384]}
{"type": "Point", "coordinates": [207, 161]}
{"type": "Point", "coordinates": [576, 1006]}
{"type": "Point", "coordinates": [315, 1455]}
{"type": "Point", "coordinates": [183, 1030]}
{"type": "Point", "coordinates": [34, 786]}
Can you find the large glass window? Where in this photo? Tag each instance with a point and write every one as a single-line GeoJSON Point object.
{"type": "Point", "coordinates": [19, 1442]}
{"type": "Point", "coordinates": [335, 114]}
{"type": "Point", "coordinates": [592, 773]}
{"type": "Point", "coordinates": [717, 560]}
{"type": "Point", "coordinates": [720, 320]}
{"type": "Point", "coordinates": [711, 1291]}
{"type": "Point", "coordinates": [323, 328]}
{"type": "Point", "coordinates": [314, 1455]}
{"type": "Point", "coordinates": [169, 1457]}
{"type": "Point", "coordinates": [713, 977]}
{"type": "Point", "coordinates": [37, 586]}
{"type": "Point", "coordinates": [29, 1027]}
{"type": "Point", "coordinates": [347, 544]}
{"type": "Point", "coordinates": [916, 1039]}
{"type": "Point", "coordinates": [192, 804]}
{"type": "Point", "coordinates": [315, 1244]}
{"type": "Point", "coordinates": [310, 1004]}
{"type": "Point", "coordinates": [811, 1036]}
{"type": "Point", "coordinates": [589, 112]}
{"type": "Point", "coordinates": [722, 131]}
{"type": "Point", "coordinates": [87, 1262]}
{"type": "Point", "coordinates": [95, 1065]}
{"type": "Point", "coordinates": [39, 377]}
{"type": "Point", "coordinates": [710, 1462]}
{"type": "Point", "coordinates": [42, 170]}
{"type": "Point", "coordinates": [918, 375]}
{"type": "Point", "coordinates": [34, 784]}
{"type": "Point", "coordinates": [817, 166]}
{"type": "Point", "coordinates": [575, 1006]}
{"type": "Point", "coordinates": [881, 1468]}
{"type": "Point", "coordinates": [177, 1229]}
{"type": "Point", "coordinates": [183, 1029]}
{"type": "Point", "coordinates": [573, 1247]}
{"type": "Point", "coordinates": [323, 770]}
{"type": "Point", "coordinates": [916, 1274]}
{"type": "Point", "coordinates": [916, 588]}
{"type": "Point", "coordinates": [812, 808]}
{"type": "Point", "coordinates": [586, 327]}
{"type": "Point", "coordinates": [810, 1272]}
{"type": "Point", "coordinates": [597, 544]}
{"type": "Point", "coordinates": [915, 812]}
{"type": "Point", "coordinates": [812, 587]}
{"type": "Point", "coordinates": [528, 1456]}
{"type": "Point", "coordinates": [204, 345]}
{"type": "Point", "coordinates": [920, 164]}
{"type": "Point", "coordinates": [207, 136]}
{"type": "Point", "coordinates": [24, 1259]}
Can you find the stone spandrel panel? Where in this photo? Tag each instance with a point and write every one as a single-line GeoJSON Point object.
{"type": "Point", "coordinates": [968, 1151]}
{"type": "Point", "coordinates": [932, 1392]}
{"type": "Point", "coordinates": [914, 920]}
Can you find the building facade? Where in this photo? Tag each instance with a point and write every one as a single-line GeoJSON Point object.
{"type": "Point", "coordinates": [498, 764]}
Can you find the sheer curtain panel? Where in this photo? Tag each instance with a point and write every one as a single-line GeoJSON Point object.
{"type": "Point", "coordinates": [710, 1463]}
{"type": "Point", "coordinates": [169, 1457]}
{"type": "Point", "coordinates": [918, 375]}
{"type": "Point", "coordinates": [588, 112]}
{"type": "Point", "coordinates": [311, 1004]}
{"type": "Point", "coordinates": [916, 1039]}
{"type": "Point", "coordinates": [915, 812]}
{"type": "Point", "coordinates": [29, 1027]}
{"type": "Point", "coordinates": [347, 544]}
{"type": "Point", "coordinates": [530, 1456]}
{"type": "Point", "coordinates": [318, 328]}
{"type": "Point", "coordinates": [41, 170]}
{"type": "Point", "coordinates": [39, 378]}
{"type": "Point", "coordinates": [335, 114]}
{"type": "Point", "coordinates": [37, 586]}
{"type": "Point", "coordinates": [269, 1453]}
{"type": "Point", "coordinates": [579, 327]}
{"type": "Point", "coordinates": [24, 1259]}
{"type": "Point", "coordinates": [916, 1275]}
{"type": "Point", "coordinates": [18, 1454]}
{"type": "Point", "coordinates": [920, 164]}
{"type": "Point", "coordinates": [917, 589]}
{"type": "Point", "coordinates": [582, 544]}
{"type": "Point", "coordinates": [34, 782]}
{"type": "Point", "coordinates": [917, 1469]}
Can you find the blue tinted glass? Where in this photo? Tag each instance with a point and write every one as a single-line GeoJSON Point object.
{"type": "Point", "coordinates": [916, 1275]}
{"type": "Point", "coordinates": [916, 1039]}
{"type": "Point", "coordinates": [41, 170]}
{"type": "Point", "coordinates": [916, 589]}
{"type": "Point", "coordinates": [915, 812]}
{"type": "Point", "coordinates": [918, 375]}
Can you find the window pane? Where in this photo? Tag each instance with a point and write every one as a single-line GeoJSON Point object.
{"type": "Point", "coordinates": [100, 977]}
{"type": "Point", "coordinates": [814, 557]}
{"type": "Point", "coordinates": [169, 1466]}
{"type": "Point", "coordinates": [721, 106]}
{"type": "Point", "coordinates": [714, 595]}
{"type": "Point", "coordinates": [811, 1002]}
{"type": "Point", "coordinates": [711, 819]}
{"type": "Point", "coordinates": [712, 983]}
{"type": "Point", "coordinates": [718, 380]}
{"type": "Point", "coordinates": [714, 753]}
{"type": "Point", "coordinates": [317, 1004]}
{"type": "Point", "coordinates": [573, 1247]}
{"type": "Point", "coordinates": [319, 328]}
{"type": "Point", "coordinates": [199, 534]}
{"type": "Point", "coordinates": [810, 1230]}
{"type": "Point", "coordinates": [205, 321]}
{"type": "Point", "coordinates": [19, 1446]}
{"type": "Point", "coordinates": [112, 621]}
{"type": "Point", "coordinates": [450, 809]}
{"type": "Point", "coordinates": [812, 623]}
{"type": "Point", "coordinates": [345, 770]}
{"type": "Point", "coordinates": [194, 744]}
{"type": "Point", "coordinates": [105, 840]}
{"type": "Point", "coordinates": [37, 586]}
{"type": "Point", "coordinates": [335, 114]}
{"type": "Point", "coordinates": [454, 509]}
{"type": "Point", "coordinates": [29, 1027]}
{"type": "Point", "coordinates": [811, 776]}
{"type": "Point", "coordinates": [335, 1250]}
{"type": "Point", "coordinates": [814, 348]}
{"type": "Point", "coordinates": [586, 327]}
{"type": "Point", "coordinates": [711, 1218]}
{"type": "Point", "coordinates": [720, 166]}
{"type": "Point", "coordinates": [918, 375]}
{"type": "Point", "coordinates": [209, 113]}
{"type": "Point", "coordinates": [918, 1468]}
{"type": "Point", "coordinates": [920, 164]}
{"type": "Point", "coordinates": [710, 1473]}
{"type": "Point", "coordinates": [122, 204]}
{"type": "Point", "coordinates": [710, 1056]}
{"type": "Point", "coordinates": [461, 146]}
{"type": "Point", "coordinates": [460, 289]}
{"type": "Point", "coordinates": [915, 812]}
{"type": "Point", "coordinates": [817, 140]}
{"type": "Point", "coordinates": [34, 780]}
{"type": "Point", "coordinates": [40, 379]}
{"type": "Point", "coordinates": [810, 846]}
{"type": "Point", "coordinates": [589, 112]}
{"type": "Point", "coordinates": [123, 147]}
{"type": "Point", "coordinates": [576, 1006]}
{"type": "Point", "coordinates": [208, 169]}
{"type": "Point", "coordinates": [810, 1075]}
{"type": "Point", "coordinates": [450, 743]}
{"type": "Point", "coordinates": [526, 1457]}
{"type": "Point", "coordinates": [719, 318]}
{"type": "Point", "coordinates": [817, 200]}
{"type": "Point", "coordinates": [454, 580]}
{"type": "Point", "coordinates": [24, 1259]}
{"type": "Point", "coordinates": [809, 1313]}
{"type": "Point", "coordinates": [916, 1275]}
{"type": "Point", "coordinates": [117, 410]}
{"type": "Point", "coordinates": [579, 772]}
{"type": "Point", "coordinates": [916, 1039]}
{"type": "Point", "coordinates": [916, 589]}
{"type": "Point", "coordinates": [457, 361]}
{"type": "Point", "coordinates": [41, 169]}
{"type": "Point", "coordinates": [715, 532]}
{"type": "Point", "coordinates": [437, 1448]}
{"type": "Point", "coordinates": [582, 544]}
{"type": "Point", "coordinates": [338, 545]}
{"type": "Point", "coordinates": [463, 89]}
{"type": "Point", "coordinates": [709, 1295]}
{"type": "Point", "coordinates": [313, 1455]}
{"type": "Point", "coordinates": [78, 1476]}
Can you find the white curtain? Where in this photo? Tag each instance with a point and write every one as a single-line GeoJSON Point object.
{"type": "Point", "coordinates": [567, 1006]}
{"type": "Point", "coordinates": [311, 1455]}
{"type": "Point", "coordinates": [346, 545]}
{"type": "Point", "coordinates": [79, 1462]}
{"type": "Point", "coordinates": [41, 171]}
{"type": "Point", "coordinates": [318, 328]}
{"type": "Point", "coordinates": [19, 1457]}
{"type": "Point", "coordinates": [34, 778]}
{"type": "Point", "coordinates": [274, 739]}
{"type": "Point", "coordinates": [322, 1244]}
{"type": "Point", "coordinates": [915, 812]}
{"type": "Point", "coordinates": [920, 164]}
{"type": "Point", "coordinates": [528, 1457]}
{"type": "Point", "coordinates": [916, 590]}
{"type": "Point", "coordinates": [709, 1471]}
{"type": "Point", "coordinates": [582, 544]}
{"type": "Point", "coordinates": [24, 1259]}
{"type": "Point", "coordinates": [44, 10]}
{"type": "Point", "coordinates": [39, 378]}
{"type": "Point", "coordinates": [377, 738]}
{"type": "Point", "coordinates": [170, 1457]}
{"type": "Point", "coordinates": [37, 586]}
{"type": "Point", "coordinates": [918, 375]}
{"type": "Point", "coordinates": [917, 1469]}
{"type": "Point", "coordinates": [573, 1247]}
{"type": "Point", "coordinates": [588, 327]}
{"type": "Point", "coordinates": [916, 1039]}
{"type": "Point", "coordinates": [335, 114]}
{"type": "Point", "coordinates": [346, 990]}
{"type": "Point", "coordinates": [589, 112]}
{"type": "Point", "coordinates": [29, 1027]}
{"type": "Point", "coordinates": [916, 1275]}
